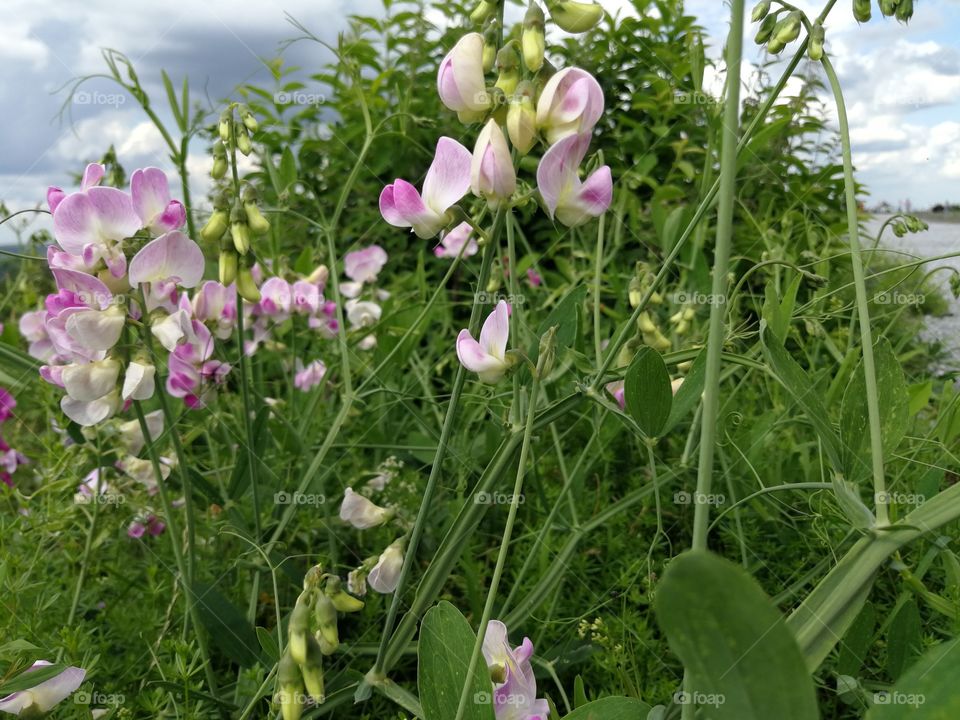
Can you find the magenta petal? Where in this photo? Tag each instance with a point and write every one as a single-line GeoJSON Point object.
{"type": "Point", "coordinates": [54, 196]}
{"type": "Point", "coordinates": [596, 194]}
{"type": "Point", "coordinates": [171, 257]}
{"type": "Point", "coordinates": [448, 178]}
{"type": "Point", "coordinates": [150, 193]}
{"type": "Point", "coordinates": [92, 175]}
{"type": "Point", "coordinates": [388, 208]}
{"type": "Point", "coordinates": [99, 215]}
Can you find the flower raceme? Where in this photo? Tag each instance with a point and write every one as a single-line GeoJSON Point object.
{"type": "Point", "coordinates": [447, 181]}
{"type": "Point", "coordinates": [568, 199]}
{"type": "Point", "coordinates": [487, 357]}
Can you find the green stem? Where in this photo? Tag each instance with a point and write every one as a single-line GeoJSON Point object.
{"type": "Point", "coordinates": [505, 541]}
{"type": "Point", "coordinates": [863, 309]}
{"type": "Point", "coordinates": [597, 277]}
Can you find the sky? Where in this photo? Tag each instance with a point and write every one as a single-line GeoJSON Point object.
{"type": "Point", "coordinates": [902, 83]}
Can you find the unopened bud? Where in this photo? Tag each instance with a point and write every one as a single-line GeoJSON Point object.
{"type": "Point", "coordinates": [342, 601]}
{"type": "Point", "coordinates": [325, 618]}
{"type": "Point", "coordinates": [249, 121]}
{"type": "Point", "coordinates": [239, 230]}
{"type": "Point", "coordinates": [246, 287]}
{"type": "Point", "coordinates": [645, 324]}
{"type": "Point", "coordinates": [290, 683]}
{"type": "Point", "coordinates": [228, 266]}
{"type": "Point", "coordinates": [522, 118]}
{"type": "Point", "coordinates": [219, 161]}
{"type": "Point", "coordinates": [548, 352]}
{"type": "Point", "coordinates": [483, 10]}
{"type": "Point", "coordinates": [760, 10]}
{"type": "Point", "coordinates": [259, 225]}
{"type": "Point", "coordinates": [532, 41]}
{"type": "Point", "coordinates": [888, 7]}
{"type": "Point", "coordinates": [508, 67]}
{"type": "Point", "coordinates": [575, 17]}
{"type": "Point", "coordinates": [215, 227]}
{"type": "Point", "coordinates": [904, 10]}
{"type": "Point", "coordinates": [815, 48]}
{"type": "Point", "coordinates": [861, 10]}
{"type": "Point", "coordinates": [788, 29]}
{"type": "Point", "coordinates": [225, 126]}
{"type": "Point", "coordinates": [299, 628]}
{"type": "Point", "coordinates": [243, 139]}
{"type": "Point", "coordinates": [312, 670]}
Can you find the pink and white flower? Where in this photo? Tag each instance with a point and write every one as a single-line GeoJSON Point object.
{"type": "Point", "coordinates": [307, 377]}
{"type": "Point", "coordinates": [385, 575]}
{"type": "Point", "coordinates": [453, 241]}
{"type": "Point", "coordinates": [216, 306]}
{"type": "Point", "coordinates": [364, 265]}
{"type": "Point", "coordinates": [568, 199]}
{"type": "Point", "coordinates": [361, 512]}
{"type": "Point", "coordinates": [170, 258]}
{"type": "Point", "coordinates": [516, 697]}
{"type": "Point", "coordinates": [487, 357]}
{"type": "Point", "coordinates": [44, 696]}
{"type": "Point", "coordinates": [460, 81]}
{"type": "Point", "coordinates": [447, 181]}
{"type": "Point", "coordinates": [492, 176]}
{"type": "Point", "coordinates": [571, 104]}
{"type": "Point", "coordinates": [150, 193]}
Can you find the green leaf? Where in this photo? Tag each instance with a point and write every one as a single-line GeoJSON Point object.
{"type": "Point", "coordinates": [742, 661]}
{"type": "Point", "coordinates": [690, 391]}
{"type": "Point", "coordinates": [856, 643]}
{"type": "Point", "coordinates": [15, 647]}
{"type": "Point", "coordinates": [927, 691]}
{"type": "Point", "coordinates": [566, 316]}
{"type": "Point", "coordinates": [269, 644]}
{"type": "Point", "coordinates": [288, 169]}
{"type": "Point", "coordinates": [446, 643]}
{"type": "Point", "coordinates": [611, 708]}
{"type": "Point", "coordinates": [920, 396]}
{"type": "Point", "coordinates": [904, 641]}
{"type": "Point", "coordinates": [778, 313]}
{"type": "Point", "coordinates": [172, 99]}
{"type": "Point", "coordinates": [579, 693]}
{"type": "Point", "coordinates": [228, 628]}
{"type": "Point", "coordinates": [647, 392]}
{"type": "Point", "coordinates": [894, 401]}
{"type": "Point", "coordinates": [31, 678]}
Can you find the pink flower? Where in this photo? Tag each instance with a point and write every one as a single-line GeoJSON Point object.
{"type": "Point", "coordinates": [491, 169]}
{"type": "Point", "coordinates": [533, 277]}
{"type": "Point", "coordinates": [34, 330]}
{"type": "Point", "coordinates": [516, 697]}
{"type": "Point", "coordinates": [172, 258]}
{"type": "Point", "coordinates": [568, 199]}
{"type": "Point", "coordinates": [151, 201]}
{"type": "Point", "coordinates": [42, 697]}
{"type": "Point", "coordinates": [448, 180]}
{"type": "Point", "coordinates": [7, 404]}
{"type": "Point", "coordinates": [364, 265]}
{"type": "Point", "coordinates": [571, 104]}
{"type": "Point", "coordinates": [488, 356]}
{"type": "Point", "coordinates": [453, 240]}
{"type": "Point", "coordinates": [192, 372]}
{"type": "Point", "coordinates": [361, 512]}
{"type": "Point", "coordinates": [460, 81]}
{"type": "Point", "coordinates": [307, 377]}
{"type": "Point", "coordinates": [306, 297]}
{"type": "Point", "coordinates": [616, 389]}
{"type": "Point", "coordinates": [276, 298]}
{"type": "Point", "coordinates": [216, 305]}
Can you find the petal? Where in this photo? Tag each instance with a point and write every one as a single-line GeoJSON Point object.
{"type": "Point", "coordinates": [86, 414]}
{"type": "Point", "coordinates": [57, 689]}
{"type": "Point", "coordinates": [92, 175]}
{"type": "Point", "coordinates": [150, 193]}
{"type": "Point", "coordinates": [54, 196]}
{"type": "Point", "coordinates": [388, 208]}
{"type": "Point", "coordinates": [172, 256]}
{"type": "Point", "coordinates": [496, 331]}
{"type": "Point", "coordinates": [496, 647]}
{"type": "Point", "coordinates": [138, 382]}
{"type": "Point", "coordinates": [425, 222]}
{"type": "Point", "coordinates": [473, 357]}
{"type": "Point", "coordinates": [589, 200]}
{"type": "Point", "coordinates": [557, 171]}
{"type": "Point", "coordinates": [96, 329]}
{"type": "Point", "coordinates": [91, 381]}
{"type": "Point", "coordinates": [448, 178]}
{"type": "Point", "coordinates": [460, 81]}
{"type": "Point", "coordinates": [99, 215]}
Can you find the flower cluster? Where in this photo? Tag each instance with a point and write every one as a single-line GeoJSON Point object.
{"type": "Point", "coordinates": [122, 262]}
{"type": "Point", "coordinates": [10, 459]}
{"type": "Point", "coordinates": [515, 686]}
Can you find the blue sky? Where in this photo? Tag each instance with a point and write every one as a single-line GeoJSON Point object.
{"type": "Point", "coordinates": [902, 82]}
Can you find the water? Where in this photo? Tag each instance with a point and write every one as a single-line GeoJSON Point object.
{"type": "Point", "coordinates": [940, 239]}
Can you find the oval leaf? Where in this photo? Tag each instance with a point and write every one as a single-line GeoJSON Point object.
{"type": "Point", "coordinates": [647, 392]}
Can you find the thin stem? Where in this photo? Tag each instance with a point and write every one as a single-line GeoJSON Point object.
{"type": "Point", "coordinates": [863, 310]}
{"type": "Point", "coordinates": [597, 277]}
{"type": "Point", "coordinates": [504, 543]}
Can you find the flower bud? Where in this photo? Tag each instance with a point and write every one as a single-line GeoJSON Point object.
{"type": "Point", "coordinates": [645, 324]}
{"type": "Point", "coordinates": [341, 600]}
{"type": "Point", "coordinates": [788, 29]}
{"type": "Point", "coordinates": [249, 121]}
{"type": "Point", "coordinates": [246, 286]}
{"type": "Point", "coordinates": [490, 38]}
{"type": "Point", "coordinates": [225, 125]}
{"type": "Point", "coordinates": [483, 10]}
{"type": "Point", "coordinates": [905, 10]}
{"type": "Point", "coordinates": [290, 683]}
{"type": "Point", "coordinates": [219, 162]}
{"type": "Point", "coordinates": [325, 618]}
{"type": "Point", "coordinates": [312, 670]}
{"type": "Point", "coordinates": [239, 230]}
{"type": "Point", "coordinates": [548, 352]}
{"type": "Point", "coordinates": [815, 48]}
{"type": "Point", "coordinates": [575, 17]}
{"type": "Point", "coordinates": [888, 7]}
{"type": "Point", "coordinates": [492, 176]}
{"type": "Point", "coordinates": [508, 67]}
{"type": "Point", "coordinates": [243, 139]}
{"type": "Point", "coordinates": [228, 266]}
{"type": "Point", "coordinates": [522, 118]}
{"type": "Point", "coordinates": [259, 225]}
{"type": "Point", "coordinates": [765, 30]}
{"type": "Point", "coordinates": [215, 227]}
{"type": "Point", "coordinates": [460, 81]}
{"type": "Point", "coordinates": [760, 10]}
{"type": "Point", "coordinates": [532, 41]}
{"type": "Point", "coordinates": [299, 628]}
{"type": "Point", "coordinates": [861, 10]}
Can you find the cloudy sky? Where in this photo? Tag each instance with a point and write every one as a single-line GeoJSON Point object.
{"type": "Point", "coordinates": [902, 82]}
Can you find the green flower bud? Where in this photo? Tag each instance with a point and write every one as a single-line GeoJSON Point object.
{"type": "Point", "coordinates": [815, 48]}
{"type": "Point", "coordinates": [240, 232]}
{"type": "Point", "coordinates": [259, 225]}
{"type": "Point", "coordinates": [290, 684]}
{"type": "Point", "coordinates": [216, 226]}
{"type": "Point", "coordinates": [766, 29]}
{"type": "Point", "coordinates": [788, 29]}
{"type": "Point", "coordinates": [299, 626]}
{"type": "Point", "coordinates": [905, 10]}
{"type": "Point", "coordinates": [341, 600]}
{"type": "Point", "coordinates": [888, 7]}
{"type": "Point", "coordinates": [243, 139]}
{"type": "Point", "coordinates": [575, 17]}
{"type": "Point", "coordinates": [490, 39]}
{"type": "Point", "coordinates": [249, 121]}
{"type": "Point", "coordinates": [325, 618]}
{"type": "Point", "coordinates": [225, 125]}
{"type": "Point", "coordinates": [312, 670]}
{"type": "Point", "coordinates": [228, 266]}
{"type": "Point", "coordinates": [532, 41]}
{"type": "Point", "coordinates": [861, 10]}
{"type": "Point", "coordinates": [522, 118]}
{"type": "Point", "coordinates": [219, 161]}
{"type": "Point", "coordinates": [508, 66]}
{"type": "Point", "coordinates": [483, 10]}
{"type": "Point", "coordinates": [548, 352]}
{"type": "Point", "coordinates": [760, 10]}
{"type": "Point", "coordinates": [246, 287]}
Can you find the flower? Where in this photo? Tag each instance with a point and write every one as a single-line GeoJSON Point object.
{"type": "Point", "coordinates": [216, 306]}
{"type": "Point", "coordinates": [131, 434]}
{"type": "Point", "coordinates": [488, 356]}
{"type": "Point", "coordinates": [150, 525]}
{"type": "Point", "coordinates": [448, 180]}
{"type": "Point", "coordinates": [172, 257]}
{"type": "Point", "coordinates": [571, 104]}
{"type": "Point", "coordinates": [453, 240]}
{"type": "Point", "coordinates": [568, 199]}
{"type": "Point", "coordinates": [616, 389]}
{"type": "Point", "coordinates": [491, 169]}
{"type": "Point", "coordinates": [364, 265]}
{"type": "Point", "coordinates": [151, 201]}
{"type": "Point", "coordinates": [386, 573]}
{"type": "Point", "coordinates": [138, 381]}
{"type": "Point", "coordinates": [7, 404]}
{"type": "Point", "coordinates": [460, 81]}
{"type": "Point", "coordinates": [362, 513]}
{"type": "Point", "coordinates": [309, 376]}
{"type": "Point", "coordinates": [41, 698]}
{"type": "Point", "coordinates": [362, 313]}
{"type": "Point", "coordinates": [515, 697]}
{"type": "Point", "coordinates": [276, 298]}
{"type": "Point", "coordinates": [191, 369]}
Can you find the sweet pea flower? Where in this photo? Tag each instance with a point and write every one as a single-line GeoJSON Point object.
{"type": "Point", "coordinates": [131, 434]}
{"type": "Point", "coordinates": [138, 382]}
{"type": "Point", "coordinates": [447, 181]}
{"type": "Point", "coordinates": [10, 461]}
{"type": "Point", "coordinates": [307, 297]}
{"type": "Point", "coordinates": [92, 175]}
{"type": "Point", "coordinates": [385, 575]}
{"type": "Point", "coordinates": [487, 357]}
{"type": "Point", "coordinates": [192, 371]}
{"type": "Point", "coordinates": [452, 242]}
{"type": "Point", "coordinates": [361, 512]}
{"type": "Point", "coordinates": [42, 698]}
{"type": "Point", "coordinates": [616, 389]}
{"type": "Point", "coordinates": [569, 200]}
{"type": "Point", "coordinates": [149, 525]}
{"type": "Point", "coordinates": [33, 327]}
{"type": "Point", "coordinates": [460, 81]}
{"type": "Point", "coordinates": [170, 258]}
{"type": "Point", "coordinates": [216, 306]}
{"type": "Point", "coordinates": [571, 104]}
{"type": "Point", "coordinates": [7, 404]}
{"type": "Point", "coordinates": [307, 377]}
{"type": "Point", "coordinates": [276, 298]}
{"type": "Point", "coordinates": [364, 265]}
{"type": "Point", "coordinates": [362, 313]}
{"type": "Point", "coordinates": [515, 698]}
{"type": "Point", "coordinates": [491, 168]}
{"type": "Point", "coordinates": [151, 201]}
